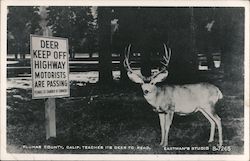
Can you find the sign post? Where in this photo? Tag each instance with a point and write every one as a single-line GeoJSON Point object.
{"type": "Point", "coordinates": [50, 75]}
{"type": "Point", "coordinates": [50, 118]}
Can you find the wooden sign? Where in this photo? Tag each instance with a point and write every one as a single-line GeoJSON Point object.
{"type": "Point", "coordinates": [49, 67]}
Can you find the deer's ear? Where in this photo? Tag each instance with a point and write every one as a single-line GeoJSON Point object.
{"type": "Point", "coordinates": [134, 77]}
{"type": "Point", "coordinates": [160, 77]}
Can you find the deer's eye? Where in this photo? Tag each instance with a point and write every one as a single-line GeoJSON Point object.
{"type": "Point", "coordinates": [152, 83]}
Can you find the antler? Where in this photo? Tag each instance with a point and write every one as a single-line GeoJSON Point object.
{"type": "Point", "coordinates": [167, 55]}
{"type": "Point", "coordinates": [126, 62]}
{"type": "Point", "coordinates": [136, 77]}
{"type": "Point", "coordinates": [165, 62]}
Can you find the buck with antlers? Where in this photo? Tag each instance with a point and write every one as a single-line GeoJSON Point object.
{"type": "Point", "coordinates": [179, 99]}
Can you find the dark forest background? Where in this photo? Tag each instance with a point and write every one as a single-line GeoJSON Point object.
{"type": "Point", "coordinates": [107, 30]}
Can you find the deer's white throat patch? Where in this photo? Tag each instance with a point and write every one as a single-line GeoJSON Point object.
{"type": "Point", "coordinates": [150, 97]}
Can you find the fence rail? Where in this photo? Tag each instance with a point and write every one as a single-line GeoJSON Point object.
{"type": "Point", "coordinates": [84, 63]}
{"type": "Point", "coordinates": [18, 66]}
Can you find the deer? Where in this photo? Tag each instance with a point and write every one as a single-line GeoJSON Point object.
{"type": "Point", "coordinates": [168, 100]}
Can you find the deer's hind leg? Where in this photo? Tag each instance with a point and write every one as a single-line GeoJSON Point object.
{"type": "Point", "coordinates": [217, 120]}
{"type": "Point", "coordinates": [212, 123]}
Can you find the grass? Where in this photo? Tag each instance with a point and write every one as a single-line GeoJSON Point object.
{"type": "Point", "coordinates": [117, 116]}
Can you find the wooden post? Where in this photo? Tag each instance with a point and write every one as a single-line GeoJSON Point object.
{"type": "Point", "coordinates": [50, 117]}
{"type": "Point", "coordinates": [50, 103]}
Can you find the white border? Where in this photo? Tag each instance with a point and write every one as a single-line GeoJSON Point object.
{"type": "Point", "coordinates": [12, 156]}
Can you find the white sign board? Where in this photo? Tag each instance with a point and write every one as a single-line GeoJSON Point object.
{"type": "Point", "coordinates": [49, 67]}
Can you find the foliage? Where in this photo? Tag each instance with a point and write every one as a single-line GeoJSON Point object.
{"type": "Point", "coordinates": [147, 28]}
{"type": "Point", "coordinates": [75, 23]}
{"type": "Point", "coordinates": [22, 21]}
{"type": "Point", "coordinates": [232, 42]}
{"type": "Point", "coordinates": [184, 30]}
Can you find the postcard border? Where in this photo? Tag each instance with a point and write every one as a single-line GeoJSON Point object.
{"type": "Point", "coordinates": [15, 156]}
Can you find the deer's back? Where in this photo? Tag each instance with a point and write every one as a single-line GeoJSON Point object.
{"type": "Point", "coordinates": [187, 98]}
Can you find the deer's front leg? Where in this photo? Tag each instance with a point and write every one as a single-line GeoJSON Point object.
{"type": "Point", "coordinates": [162, 124]}
{"type": "Point", "coordinates": [168, 121]}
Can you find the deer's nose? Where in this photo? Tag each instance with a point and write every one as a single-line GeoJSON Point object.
{"type": "Point", "coordinates": [146, 91]}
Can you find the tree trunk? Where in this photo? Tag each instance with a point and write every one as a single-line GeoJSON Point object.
{"type": "Point", "coordinates": [146, 64]}
{"type": "Point", "coordinates": [233, 44]}
{"type": "Point", "coordinates": [105, 62]}
{"type": "Point", "coordinates": [193, 47]}
{"type": "Point", "coordinates": [121, 42]}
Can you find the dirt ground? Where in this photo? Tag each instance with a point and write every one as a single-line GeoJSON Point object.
{"type": "Point", "coordinates": [118, 120]}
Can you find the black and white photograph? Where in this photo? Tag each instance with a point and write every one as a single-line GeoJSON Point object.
{"type": "Point", "coordinates": [156, 80]}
